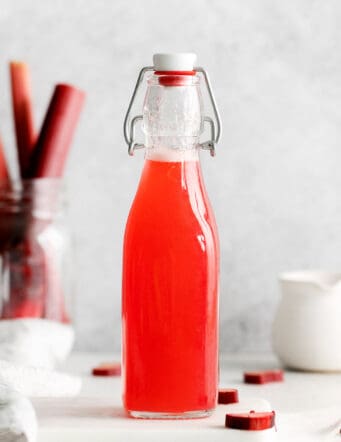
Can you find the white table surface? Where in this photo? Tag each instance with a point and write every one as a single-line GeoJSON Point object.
{"type": "Point", "coordinates": [308, 407]}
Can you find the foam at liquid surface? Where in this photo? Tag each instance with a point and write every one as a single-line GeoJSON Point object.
{"type": "Point", "coordinates": [168, 154]}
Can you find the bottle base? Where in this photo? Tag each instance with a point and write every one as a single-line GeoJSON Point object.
{"type": "Point", "coordinates": [198, 414]}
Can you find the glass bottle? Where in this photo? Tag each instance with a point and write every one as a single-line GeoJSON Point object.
{"type": "Point", "coordinates": [171, 255]}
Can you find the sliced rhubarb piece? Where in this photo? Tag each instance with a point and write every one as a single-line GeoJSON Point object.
{"type": "Point", "coordinates": [251, 421]}
{"type": "Point", "coordinates": [107, 369]}
{"type": "Point", "coordinates": [277, 375]}
{"type": "Point", "coordinates": [23, 114]}
{"type": "Point", "coordinates": [263, 377]}
{"type": "Point", "coordinates": [256, 377]}
{"type": "Point", "coordinates": [228, 396]}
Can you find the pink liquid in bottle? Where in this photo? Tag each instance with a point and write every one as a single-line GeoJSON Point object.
{"type": "Point", "coordinates": [170, 293]}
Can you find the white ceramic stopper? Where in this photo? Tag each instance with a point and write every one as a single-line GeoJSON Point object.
{"type": "Point", "coordinates": [174, 62]}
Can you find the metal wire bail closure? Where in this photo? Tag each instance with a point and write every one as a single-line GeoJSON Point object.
{"type": "Point", "coordinates": [130, 123]}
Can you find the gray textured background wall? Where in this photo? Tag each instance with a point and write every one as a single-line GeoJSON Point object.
{"type": "Point", "coordinates": [275, 184]}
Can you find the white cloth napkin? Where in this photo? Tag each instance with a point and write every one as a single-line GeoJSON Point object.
{"type": "Point", "coordinates": [29, 349]}
{"type": "Point", "coordinates": [38, 382]}
{"type": "Point", "coordinates": [18, 422]}
{"type": "Point", "coordinates": [35, 342]}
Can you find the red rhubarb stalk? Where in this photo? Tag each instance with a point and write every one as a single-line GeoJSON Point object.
{"type": "Point", "coordinates": [4, 174]}
{"type": "Point", "coordinates": [48, 161]}
{"type": "Point", "coordinates": [23, 114]}
{"type": "Point", "coordinates": [58, 128]}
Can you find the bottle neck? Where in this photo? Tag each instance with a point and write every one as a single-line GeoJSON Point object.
{"type": "Point", "coordinates": [172, 117]}
{"type": "Point", "coordinates": [172, 148]}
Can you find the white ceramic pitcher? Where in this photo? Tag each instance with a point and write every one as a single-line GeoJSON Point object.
{"type": "Point", "coordinates": [307, 326]}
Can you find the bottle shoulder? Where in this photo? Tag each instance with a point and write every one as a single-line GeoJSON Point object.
{"type": "Point", "coordinates": [172, 211]}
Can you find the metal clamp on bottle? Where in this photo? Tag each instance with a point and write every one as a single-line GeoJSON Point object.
{"type": "Point", "coordinates": [177, 64]}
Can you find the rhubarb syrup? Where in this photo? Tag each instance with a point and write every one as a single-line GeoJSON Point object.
{"type": "Point", "coordinates": [170, 293]}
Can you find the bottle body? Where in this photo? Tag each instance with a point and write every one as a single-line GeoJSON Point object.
{"type": "Point", "coordinates": [170, 294]}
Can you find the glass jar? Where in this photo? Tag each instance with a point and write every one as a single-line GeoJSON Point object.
{"type": "Point", "coordinates": [35, 252]}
